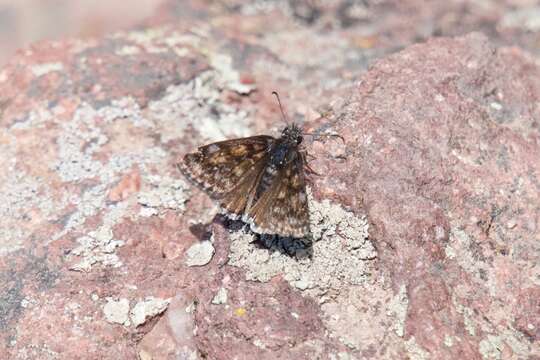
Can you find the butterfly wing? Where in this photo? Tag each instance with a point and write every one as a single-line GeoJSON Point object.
{"type": "Point", "coordinates": [229, 170]}
{"type": "Point", "coordinates": [282, 209]}
{"type": "Point", "coordinates": [240, 198]}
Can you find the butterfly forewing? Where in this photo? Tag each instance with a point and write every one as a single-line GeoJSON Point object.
{"type": "Point", "coordinates": [219, 167]}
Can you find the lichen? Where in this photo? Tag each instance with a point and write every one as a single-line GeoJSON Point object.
{"type": "Point", "coordinates": [98, 246]}
{"type": "Point", "coordinates": [79, 143]}
{"type": "Point", "coordinates": [162, 193]}
{"type": "Point", "coordinates": [341, 252]}
{"type": "Point", "coordinates": [85, 137]}
{"type": "Point", "coordinates": [45, 68]}
{"type": "Point", "coordinates": [467, 314]}
{"type": "Point", "coordinates": [415, 351]}
{"type": "Point", "coordinates": [197, 103]}
{"type": "Point", "coordinates": [490, 348]}
{"type": "Point", "coordinates": [397, 308]}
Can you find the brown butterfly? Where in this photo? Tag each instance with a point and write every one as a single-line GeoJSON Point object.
{"type": "Point", "coordinates": [259, 179]}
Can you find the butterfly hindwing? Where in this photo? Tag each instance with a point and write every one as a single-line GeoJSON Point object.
{"type": "Point", "coordinates": [242, 195]}
{"type": "Point", "coordinates": [282, 208]}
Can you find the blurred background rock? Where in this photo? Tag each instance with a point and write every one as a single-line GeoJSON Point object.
{"type": "Point", "coordinates": [23, 22]}
{"type": "Point", "coordinates": [392, 24]}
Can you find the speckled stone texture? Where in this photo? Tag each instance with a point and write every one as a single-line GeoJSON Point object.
{"type": "Point", "coordinates": [426, 217]}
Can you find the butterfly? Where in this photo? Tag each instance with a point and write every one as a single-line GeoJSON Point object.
{"type": "Point", "coordinates": [260, 180]}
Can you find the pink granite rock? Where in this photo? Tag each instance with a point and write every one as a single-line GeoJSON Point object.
{"type": "Point", "coordinates": [445, 160]}
{"type": "Point", "coordinates": [173, 337]}
{"type": "Point", "coordinates": [425, 218]}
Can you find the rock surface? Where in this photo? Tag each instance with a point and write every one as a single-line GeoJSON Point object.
{"type": "Point", "coordinates": [427, 223]}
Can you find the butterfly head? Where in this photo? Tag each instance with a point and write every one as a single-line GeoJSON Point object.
{"type": "Point", "coordinates": [292, 134]}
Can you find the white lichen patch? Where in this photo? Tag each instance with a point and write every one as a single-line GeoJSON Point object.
{"type": "Point", "coordinates": [414, 350]}
{"type": "Point", "coordinates": [24, 199]}
{"type": "Point", "coordinates": [468, 316]}
{"type": "Point", "coordinates": [45, 68]}
{"type": "Point", "coordinates": [526, 18]}
{"type": "Point", "coordinates": [448, 340]}
{"type": "Point", "coordinates": [156, 40]}
{"type": "Point", "coordinates": [342, 356]}
{"type": "Point", "coordinates": [125, 108]}
{"type": "Point", "coordinates": [34, 351]}
{"type": "Point", "coordinates": [197, 104]}
{"type": "Point", "coordinates": [77, 143]}
{"type": "Point", "coordinates": [128, 50]}
{"type": "Point", "coordinates": [80, 144]}
{"type": "Point", "coordinates": [148, 308]}
{"type": "Point", "coordinates": [490, 348]}
{"type": "Point", "coordinates": [341, 252]}
{"type": "Point", "coordinates": [15, 198]}
{"type": "Point", "coordinates": [498, 337]}
{"type": "Point", "coordinates": [87, 204]}
{"type": "Point", "coordinates": [162, 193]}
{"type": "Point", "coordinates": [99, 246]}
{"type": "Point", "coordinates": [83, 138]}
{"type": "Point", "coordinates": [397, 308]}
{"type": "Point", "coordinates": [229, 76]}
{"type": "Point", "coordinates": [459, 248]}
{"type": "Point", "coordinates": [36, 118]}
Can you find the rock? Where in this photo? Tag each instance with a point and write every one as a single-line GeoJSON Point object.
{"type": "Point", "coordinates": [117, 311]}
{"type": "Point", "coordinates": [424, 217]}
{"type": "Point", "coordinates": [173, 337]}
{"type": "Point", "coordinates": [147, 308]}
{"type": "Point", "coordinates": [199, 254]}
{"type": "Point", "coordinates": [277, 320]}
{"type": "Point", "coordinates": [130, 184]}
{"type": "Point", "coordinates": [440, 173]}
{"type": "Point", "coordinates": [221, 297]}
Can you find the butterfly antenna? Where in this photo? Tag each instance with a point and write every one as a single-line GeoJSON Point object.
{"type": "Point", "coordinates": [285, 118]}
{"type": "Point", "coordinates": [316, 136]}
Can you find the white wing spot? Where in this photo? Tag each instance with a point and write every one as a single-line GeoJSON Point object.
{"type": "Point", "coordinates": [213, 148]}
{"type": "Point", "coordinates": [238, 171]}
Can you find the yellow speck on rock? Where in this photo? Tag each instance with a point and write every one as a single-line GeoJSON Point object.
{"type": "Point", "coordinates": [240, 311]}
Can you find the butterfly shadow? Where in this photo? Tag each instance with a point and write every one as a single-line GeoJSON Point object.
{"type": "Point", "coordinates": [298, 248]}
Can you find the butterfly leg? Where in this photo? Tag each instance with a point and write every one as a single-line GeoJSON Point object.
{"type": "Point", "coordinates": [310, 170]}
{"type": "Point", "coordinates": [306, 164]}
{"type": "Point", "coordinates": [329, 135]}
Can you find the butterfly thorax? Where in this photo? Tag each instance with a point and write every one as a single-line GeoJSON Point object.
{"type": "Point", "coordinates": [280, 152]}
